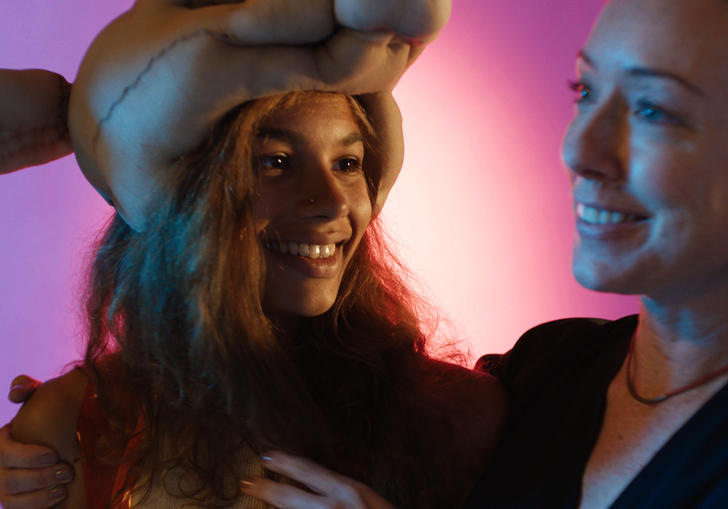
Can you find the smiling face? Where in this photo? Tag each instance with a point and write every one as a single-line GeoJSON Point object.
{"type": "Point", "coordinates": [312, 205]}
{"type": "Point", "coordinates": [648, 149]}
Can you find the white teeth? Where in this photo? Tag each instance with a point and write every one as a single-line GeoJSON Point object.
{"type": "Point", "coordinates": [602, 216]}
{"type": "Point", "coordinates": [306, 250]}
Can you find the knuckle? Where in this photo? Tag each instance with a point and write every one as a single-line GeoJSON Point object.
{"type": "Point", "coordinates": [348, 493]}
{"type": "Point", "coordinates": [8, 484]}
{"type": "Point", "coordinates": [44, 478]}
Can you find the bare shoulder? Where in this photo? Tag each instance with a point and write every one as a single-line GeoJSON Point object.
{"type": "Point", "coordinates": [49, 417]}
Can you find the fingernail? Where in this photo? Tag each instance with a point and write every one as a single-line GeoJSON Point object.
{"type": "Point", "coordinates": [246, 483]}
{"type": "Point", "coordinates": [57, 493]}
{"type": "Point", "coordinates": [48, 459]}
{"type": "Point", "coordinates": [266, 458]}
{"type": "Point", "coordinates": [63, 475]}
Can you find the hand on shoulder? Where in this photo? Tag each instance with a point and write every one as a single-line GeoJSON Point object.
{"type": "Point", "coordinates": [49, 418]}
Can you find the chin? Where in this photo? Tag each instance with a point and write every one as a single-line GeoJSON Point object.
{"type": "Point", "coordinates": [602, 281]}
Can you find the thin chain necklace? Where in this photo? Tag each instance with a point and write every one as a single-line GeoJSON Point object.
{"type": "Point", "coordinates": [659, 399]}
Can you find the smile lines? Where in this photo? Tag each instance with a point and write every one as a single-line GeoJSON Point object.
{"type": "Point", "coordinates": [595, 215]}
{"type": "Point", "coordinates": [305, 250]}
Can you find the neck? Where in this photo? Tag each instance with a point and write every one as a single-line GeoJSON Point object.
{"type": "Point", "coordinates": [678, 343]}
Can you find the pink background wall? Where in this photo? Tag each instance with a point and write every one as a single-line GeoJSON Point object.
{"type": "Point", "coordinates": [481, 212]}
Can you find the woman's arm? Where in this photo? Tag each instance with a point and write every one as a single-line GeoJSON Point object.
{"type": "Point", "coordinates": [158, 78]}
{"type": "Point", "coordinates": [49, 419]}
{"type": "Point", "coordinates": [33, 111]}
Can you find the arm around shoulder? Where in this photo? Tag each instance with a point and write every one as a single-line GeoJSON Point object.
{"type": "Point", "coordinates": [49, 418]}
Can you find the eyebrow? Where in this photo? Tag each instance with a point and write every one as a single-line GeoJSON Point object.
{"type": "Point", "coordinates": [648, 72]}
{"type": "Point", "coordinates": [293, 137]}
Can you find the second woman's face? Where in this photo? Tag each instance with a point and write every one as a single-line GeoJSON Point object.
{"type": "Point", "coordinates": [313, 204]}
{"type": "Point", "coordinates": [648, 149]}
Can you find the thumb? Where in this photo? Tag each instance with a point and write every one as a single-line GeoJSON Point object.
{"type": "Point", "coordinates": [22, 388]}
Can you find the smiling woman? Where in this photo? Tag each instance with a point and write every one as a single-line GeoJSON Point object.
{"type": "Point", "coordinates": [260, 294]}
{"type": "Point", "coordinates": [633, 413]}
{"type": "Point", "coordinates": [314, 199]}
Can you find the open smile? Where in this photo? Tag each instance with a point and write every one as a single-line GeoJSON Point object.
{"type": "Point", "coordinates": [602, 216]}
{"type": "Point", "coordinates": [318, 261]}
{"type": "Point", "coordinates": [600, 223]}
{"type": "Point", "coordinates": [314, 251]}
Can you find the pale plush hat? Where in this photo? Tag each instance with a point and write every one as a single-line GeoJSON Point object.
{"type": "Point", "coordinates": [156, 80]}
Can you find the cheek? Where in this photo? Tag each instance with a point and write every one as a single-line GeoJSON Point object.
{"type": "Point", "coordinates": [266, 206]}
{"type": "Point", "coordinates": [361, 212]}
{"type": "Point", "coordinates": [668, 176]}
{"type": "Point", "coordinates": [686, 187]}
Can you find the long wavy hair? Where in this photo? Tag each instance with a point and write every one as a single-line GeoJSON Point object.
{"type": "Point", "coordinates": [198, 366]}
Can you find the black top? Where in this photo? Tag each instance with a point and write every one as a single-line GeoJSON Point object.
{"type": "Point", "coordinates": [557, 375]}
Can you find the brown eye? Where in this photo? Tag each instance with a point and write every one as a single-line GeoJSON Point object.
{"type": "Point", "coordinates": [272, 164]}
{"type": "Point", "coordinates": [276, 161]}
{"type": "Point", "coordinates": [348, 165]}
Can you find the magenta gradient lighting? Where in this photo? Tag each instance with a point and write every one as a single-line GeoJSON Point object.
{"type": "Point", "coordinates": [481, 212]}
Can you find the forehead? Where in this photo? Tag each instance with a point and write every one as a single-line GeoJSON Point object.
{"type": "Point", "coordinates": [302, 111]}
{"type": "Point", "coordinates": [687, 37]}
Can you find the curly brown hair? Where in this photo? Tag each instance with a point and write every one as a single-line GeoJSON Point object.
{"type": "Point", "coordinates": [198, 363]}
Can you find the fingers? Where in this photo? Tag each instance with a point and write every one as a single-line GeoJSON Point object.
{"type": "Point", "coordinates": [305, 471]}
{"type": "Point", "coordinates": [281, 495]}
{"type": "Point", "coordinates": [39, 488]}
{"type": "Point", "coordinates": [258, 22]}
{"type": "Point", "coordinates": [350, 62]}
{"type": "Point", "coordinates": [418, 20]}
{"type": "Point", "coordinates": [21, 388]}
{"type": "Point", "coordinates": [362, 62]}
{"type": "Point", "coordinates": [41, 499]}
{"type": "Point", "coordinates": [42, 480]}
{"type": "Point", "coordinates": [30, 476]}
{"type": "Point", "coordinates": [331, 490]}
{"type": "Point", "coordinates": [16, 455]}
